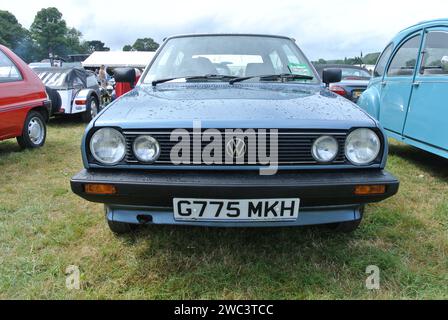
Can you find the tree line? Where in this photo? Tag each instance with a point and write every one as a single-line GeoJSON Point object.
{"type": "Point", "coordinates": [370, 58]}
{"type": "Point", "coordinates": [49, 36]}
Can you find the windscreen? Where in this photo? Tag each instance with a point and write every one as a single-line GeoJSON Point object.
{"type": "Point", "coordinates": [238, 56]}
{"type": "Point", "coordinates": [353, 74]}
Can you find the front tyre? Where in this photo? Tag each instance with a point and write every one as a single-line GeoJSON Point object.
{"type": "Point", "coordinates": [34, 131]}
{"type": "Point", "coordinates": [92, 109]}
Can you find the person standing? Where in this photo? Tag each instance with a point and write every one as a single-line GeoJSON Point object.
{"type": "Point", "coordinates": [102, 76]}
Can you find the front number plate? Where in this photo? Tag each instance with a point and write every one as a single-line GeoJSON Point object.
{"type": "Point", "coordinates": [236, 210]}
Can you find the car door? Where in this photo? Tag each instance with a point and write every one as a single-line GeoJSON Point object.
{"type": "Point", "coordinates": [396, 87]}
{"type": "Point", "coordinates": [370, 99]}
{"type": "Point", "coordinates": [10, 93]}
{"type": "Point", "coordinates": [427, 119]}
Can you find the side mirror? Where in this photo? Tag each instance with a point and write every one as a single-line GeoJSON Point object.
{"type": "Point", "coordinates": [125, 75]}
{"type": "Point", "coordinates": [331, 75]}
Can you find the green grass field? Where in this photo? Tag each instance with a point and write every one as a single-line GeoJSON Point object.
{"type": "Point", "coordinates": [44, 228]}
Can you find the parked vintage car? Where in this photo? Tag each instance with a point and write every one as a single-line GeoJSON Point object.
{"type": "Point", "coordinates": [354, 80]}
{"type": "Point", "coordinates": [77, 89]}
{"type": "Point", "coordinates": [264, 146]}
{"type": "Point", "coordinates": [24, 105]}
{"type": "Point", "coordinates": [408, 93]}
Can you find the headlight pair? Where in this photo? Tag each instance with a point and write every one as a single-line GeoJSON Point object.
{"type": "Point", "coordinates": [108, 146]}
{"type": "Point", "coordinates": [362, 147]}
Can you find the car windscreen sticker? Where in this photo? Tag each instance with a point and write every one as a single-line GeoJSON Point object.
{"type": "Point", "coordinates": [297, 68]}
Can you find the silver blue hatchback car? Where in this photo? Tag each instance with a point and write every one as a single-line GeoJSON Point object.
{"type": "Point", "coordinates": [233, 131]}
{"type": "Point", "coordinates": [408, 93]}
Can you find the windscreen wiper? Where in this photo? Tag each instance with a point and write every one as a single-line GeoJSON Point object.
{"type": "Point", "coordinates": [203, 77]}
{"type": "Point", "coordinates": [282, 76]}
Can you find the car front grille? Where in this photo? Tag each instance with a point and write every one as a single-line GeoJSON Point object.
{"type": "Point", "coordinates": [294, 147]}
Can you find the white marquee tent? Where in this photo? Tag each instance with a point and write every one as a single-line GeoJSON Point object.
{"type": "Point", "coordinates": [117, 59]}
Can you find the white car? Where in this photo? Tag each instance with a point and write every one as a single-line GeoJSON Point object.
{"type": "Point", "coordinates": [72, 91]}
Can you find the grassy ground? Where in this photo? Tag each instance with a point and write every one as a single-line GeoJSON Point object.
{"type": "Point", "coordinates": [44, 228]}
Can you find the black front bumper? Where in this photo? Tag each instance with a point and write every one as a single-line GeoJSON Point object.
{"type": "Point", "coordinates": [158, 188]}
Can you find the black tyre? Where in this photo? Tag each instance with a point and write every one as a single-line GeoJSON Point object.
{"type": "Point", "coordinates": [120, 228]}
{"type": "Point", "coordinates": [55, 99]}
{"type": "Point", "coordinates": [34, 131]}
{"type": "Point", "coordinates": [348, 226]}
{"type": "Point", "coordinates": [92, 109]}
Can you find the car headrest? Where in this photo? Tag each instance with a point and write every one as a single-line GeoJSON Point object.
{"type": "Point", "coordinates": [199, 65]}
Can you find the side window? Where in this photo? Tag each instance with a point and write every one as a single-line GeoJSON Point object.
{"type": "Point", "coordinates": [8, 70]}
{"type": "Point", "coordinates": [405, 60]}
{"type": "Point", "coordinates": [435, 59]}
{"type": "Point", "coordinates": [382, 61]}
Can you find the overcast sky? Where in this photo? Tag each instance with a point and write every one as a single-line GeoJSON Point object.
{"type": "Point", "coordinates": [323, 28]}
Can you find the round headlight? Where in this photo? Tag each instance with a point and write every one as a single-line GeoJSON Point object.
{"type": "Point", "coordinates": [362, 146]}
{"type": "Point", "coordinates": [325, 149]}
{"type": "Point", "coordinates": [146, 149]}
{"type": "Point", "coordinates": [108, 146]}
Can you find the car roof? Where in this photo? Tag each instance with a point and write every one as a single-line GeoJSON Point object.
{"type": "Point", "coordinates": [227, 35]}
{"type": "Point", "coordinates": [424, 24]}
{"type": "Point", "coordinates": [345, 66]}
{"type": "Point", "coordinates": [320, 67]}
{"type": "Point", "coordinates": [427, 23]}
{"type": "Point", "coordinates": [60, 69]}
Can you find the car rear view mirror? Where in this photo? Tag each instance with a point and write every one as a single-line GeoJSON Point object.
{"type": "Point", "coordinates": [125, 75]}
{"type": "Point", "coordinates": [331, 75]}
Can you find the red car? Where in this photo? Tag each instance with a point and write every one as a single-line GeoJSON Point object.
{"type": "Point", "coordinates": [24, 104]}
